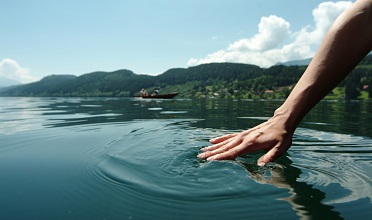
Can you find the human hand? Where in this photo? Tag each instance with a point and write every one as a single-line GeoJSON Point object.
{"type": "Point", "coordinates": [270, 136]}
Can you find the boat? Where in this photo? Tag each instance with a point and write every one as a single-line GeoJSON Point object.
{"type": "Point", "coordinates": [159, 96]}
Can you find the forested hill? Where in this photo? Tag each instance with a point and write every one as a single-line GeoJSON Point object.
{"type": "Point", "coordinates": [188, 81]}
{"type": "Point", "coordinates": [207, 80]}
{"type": "Point", "coordinates": [117, 83]}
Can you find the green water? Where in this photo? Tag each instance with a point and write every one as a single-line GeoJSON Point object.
{"type": "Point", "coordinates": [99, 158]}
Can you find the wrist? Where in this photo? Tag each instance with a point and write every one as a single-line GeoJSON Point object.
{"type": "Point", "coordinates": [286, 118]}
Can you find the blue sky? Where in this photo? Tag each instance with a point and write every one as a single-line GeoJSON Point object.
{"type": "Point", "coordinates": [44, 37]}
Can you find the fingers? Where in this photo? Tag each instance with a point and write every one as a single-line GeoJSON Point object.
{"type": "Point", "coordinates": [223, 147]}
{"type": "Point", "coordinates": [226, 155]}
{"type": "Point", "coordinates": [227, 152]}
{"type": "Point", "coordinates": [269, 136]}
{"type": "Point", "coordinates": [213, 147]}
{"type": "Point", "coordinates": [232, 148]}
{"type": "Point", "coordinates": [218, 142]}
{"type": "Point", "coordinates": [227, 147]}
{"type": "Point", "coordinates": [229, 136]}
{"type": "Point", "coordinates": [222, 138]}
{"type": "Point", "coordinates": [270, 156]}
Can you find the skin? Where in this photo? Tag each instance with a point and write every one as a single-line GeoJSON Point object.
{"type": "Point", "coordinates": [347, 42]}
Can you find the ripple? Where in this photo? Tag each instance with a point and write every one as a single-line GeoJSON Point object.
{"type": "Point", "coordinates": [162, 167]}
{"type": "Point", "coordinates": [155, 109]}
{"type": "Point", "coordinates": [156, 166]}
{"type": "Point", "coordinates": [110, 160]}
{"type": "Point", "coordinates": [173, 112]}
{"type": "Point", "coordinates": [334, 160]}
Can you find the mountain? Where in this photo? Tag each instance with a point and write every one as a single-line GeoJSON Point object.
{"type": "Point", "coordinates": [115, 83]}
{"type": "Point", "coordinates": [207, 80]}
{"type": "Point", "coordinates": [222, 71]}
{"type": "Point", "coordinates": [47, 85]}
{"type": "Point", "coordinates": [304, 62]}
{"type": "Point", "coordinates": [4, 82]}
{"type": "Point", "coordinates": [125, 83]}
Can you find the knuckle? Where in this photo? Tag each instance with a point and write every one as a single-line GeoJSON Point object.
{"type": "Point", "coordinates": [232, 153]}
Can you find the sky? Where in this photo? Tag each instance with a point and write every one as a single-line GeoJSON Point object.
{"type": "Point", "coordinates": [42, 37]}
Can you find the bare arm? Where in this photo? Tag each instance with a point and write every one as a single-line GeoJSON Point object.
{"type": "Point", "coordinates": [346, 43]}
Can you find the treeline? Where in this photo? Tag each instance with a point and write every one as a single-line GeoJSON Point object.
{"type": "Point", "coordinates": [226, 80]}
{"type": "Point", "coordinates": [119, 83]}
{"type": "Point", "coordinates": [223, 80]}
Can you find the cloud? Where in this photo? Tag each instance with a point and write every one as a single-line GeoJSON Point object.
{"type": "Point", "coordinates": [275, 42]}
{"type": "Point", "coordinates": [272, 31]}
{"type": "Point", "coordinates": [10, 69]}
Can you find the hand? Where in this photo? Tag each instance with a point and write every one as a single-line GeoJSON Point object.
{"type": "Point", "coordinates": [270, 136]}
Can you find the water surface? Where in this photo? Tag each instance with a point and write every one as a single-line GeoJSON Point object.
{"type": "Point", "coordinates": [102, 158]}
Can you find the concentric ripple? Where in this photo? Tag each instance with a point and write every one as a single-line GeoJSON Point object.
{"type": "Point", "coordinates": [156, 166]}
{"type": "Point", "coordinates": [120, 159]}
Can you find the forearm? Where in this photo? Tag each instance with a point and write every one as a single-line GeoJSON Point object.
{"type": "Point", "coordinates": [347, 42]}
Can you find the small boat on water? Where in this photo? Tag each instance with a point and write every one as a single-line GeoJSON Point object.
{"type": "Point", "coordinates": [159, 96]}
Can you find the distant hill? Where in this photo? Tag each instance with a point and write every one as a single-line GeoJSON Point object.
{"type": "Point", "coordinates": [203, 72]}
{"type": "Point", "coordinates": [4, 82]}
{"type": "Point", "coordinates": [304, 62]}
{"type": "Point", "coordinates": [207, 80]}
{"type": "Point", "coordinates": [124, 83]}
{"type": "Point", "coordinates": [91, 84]}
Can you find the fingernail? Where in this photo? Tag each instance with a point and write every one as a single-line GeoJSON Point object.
{"type": "Point", "coordinates": [261, 164]}
{"type": "Point", "coordinates": [211, 140]}
{"type": "Point", "coordinates": [201, 155]}
{"type": "Point", "coordinates": [211, 158]}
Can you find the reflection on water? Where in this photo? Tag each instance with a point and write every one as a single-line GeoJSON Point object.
{"type": "Point", "coordinates": [132, 158]}
{"type": "Point", "coordinates": [304, 199]}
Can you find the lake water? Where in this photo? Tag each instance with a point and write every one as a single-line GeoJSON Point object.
{"type": "Point", "coordinates": [102, 158]}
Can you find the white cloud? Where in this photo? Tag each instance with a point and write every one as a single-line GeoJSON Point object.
{"type": "Point", "coordinates": [272, 31]}
{"type": "Point", "coordinates": [327, 12]}
{"type": "Point", "coordinates": [10, 69]}
{"type": "Point", "coordinates": [270, 45]}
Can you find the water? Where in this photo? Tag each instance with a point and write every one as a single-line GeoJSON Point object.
{"type": "Point", "coordinates": [100, 158]}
